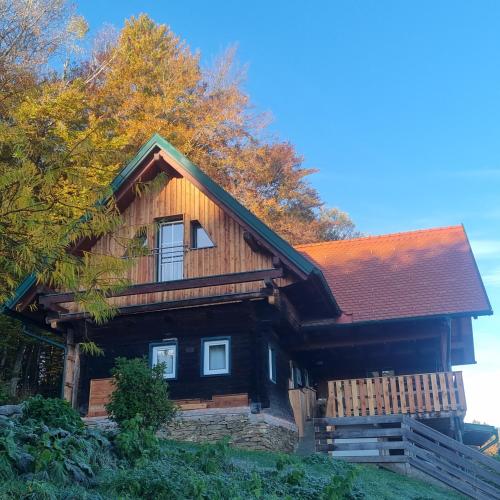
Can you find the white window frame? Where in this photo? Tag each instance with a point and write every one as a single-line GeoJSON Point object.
{"type": "Point", "coordinates": [207, 343]}
{"type": "Point", "coordinates": [154, 357]}
{"type": "Point", "coordinates": [271, 351]}
{"type": "Point", "coordinates": [170, 257]}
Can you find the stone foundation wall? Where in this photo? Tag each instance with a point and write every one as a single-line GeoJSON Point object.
{"type": "Point", "coordinates": [245, 430]}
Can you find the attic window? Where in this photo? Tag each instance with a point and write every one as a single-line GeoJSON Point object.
{"type": "Point", "coordinates": [199, 237]}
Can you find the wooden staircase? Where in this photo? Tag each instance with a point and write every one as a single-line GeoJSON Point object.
{"type": "Point", "coordinates": [399, 439]}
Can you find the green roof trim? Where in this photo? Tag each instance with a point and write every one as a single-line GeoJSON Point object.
{"type": "Point", "coordinates": [267, 234]}
{"type": "Point", "coordinates": [23, 288]}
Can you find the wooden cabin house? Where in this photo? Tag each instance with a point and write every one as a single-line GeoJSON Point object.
{"type": "Point", "coordinates": [257, 335]}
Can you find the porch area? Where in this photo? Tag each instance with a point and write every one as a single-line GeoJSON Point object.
{"type": "Point", "coordinates": [422, 395]}
{"type": "Point", "coordinates": [438, 398]}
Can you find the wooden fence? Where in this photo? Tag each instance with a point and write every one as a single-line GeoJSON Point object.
{"type": "Point", "coordinates": [303, 403]}
{"type": "Point", "coordinates": [423, 393]}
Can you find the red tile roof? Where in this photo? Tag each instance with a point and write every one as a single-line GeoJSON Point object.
{"type": "Point", "coordinates": [414, 274]}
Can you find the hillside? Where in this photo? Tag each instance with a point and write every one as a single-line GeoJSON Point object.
{"type": "Point", "coordinates": [219, 472]}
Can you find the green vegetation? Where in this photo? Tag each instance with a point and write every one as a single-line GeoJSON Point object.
{"type": "Point", "coordinates": [52, 412]}
{"type": "Point", "coordinates": [41, 461]}
{"type": "Point", "coordinates": [140, 390]}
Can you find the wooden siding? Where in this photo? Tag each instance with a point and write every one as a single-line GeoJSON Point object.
{"type": "Point", "coordinates": [101, 389]}
{"type": "Point", "coordinates": [426, 393]}
{"type": "Point", "coordinates": [181, 199]}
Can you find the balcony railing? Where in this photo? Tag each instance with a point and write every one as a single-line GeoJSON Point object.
{"type": "Point", "coordinates": [419, 394]}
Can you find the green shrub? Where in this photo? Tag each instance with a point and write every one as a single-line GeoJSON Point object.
{"type": "Point", "coordinates": [53, 412]}
{"type": "Point", "coordinates": [140, 390]}
{"type": "Point", "coordinates": [212, 458]}
{"type": "Point", "coordinates": [135, 442]}
{"type": "Point", "coordinates": [45, 453]}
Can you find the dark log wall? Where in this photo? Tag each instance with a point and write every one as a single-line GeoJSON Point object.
{"type": "Point", "coordinates": [130, 337]}
{"type": "Point", "coordinates": [277, 393]}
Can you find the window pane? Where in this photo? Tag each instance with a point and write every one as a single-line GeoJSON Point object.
{"type": "Point", "coordinates": [166, 355]}
{"type": "Point", "coordinates": [171, 251]}
{"type": "Point", "coordinates": [217, 357]}
{"type": "Point", "coordinates": [200, 236]}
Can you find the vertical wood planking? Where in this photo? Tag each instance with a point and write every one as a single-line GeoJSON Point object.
{"type": "Point", "coordinates": [435, 393]}
{"type": "Point", "coordinates": [451, 390]}
{"type": "Point", "coordinates": [340, 398]}
{"type": "Point", "coordinates": [411, 393]}
{"type": "Point", "coordinates": [179, 197]}
{"type": "Point", "coordinates": [394, 396]}
{"type": "Point", "coordinates": [461, 391]}
{"type": "Point", "coordinates": [379, 396]}
{"type": "Point", "coordinates": [385, 388]}
{"type": "Point", "coordinates": [355, 398]}
{"type": "Point", "coordinates": [402, 393]}
{"type": "Point", "coordinates": [427, 395]}
{"type": "Point", "coordinates": [348, 398]}
{"type": "Point", "coordinates": [330, 407]}
{"type": "Point", "coordinates": [369, 391]}
{"type": "Point", "coordinates": [444, 393]}
{"type": "Point", "coordinates": [362, 395]}
{"type": "Point", "coordinates": [418, 389]}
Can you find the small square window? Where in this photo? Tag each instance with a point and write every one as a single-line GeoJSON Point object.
{"type": "Point", "coordinates": [272, 363]}
{"type": "Point", "coordinates": [199, 237]}
{"type": "Point", "coordinates": [216, 357]}
{"type": "Point", "coordinates": [165, 353]}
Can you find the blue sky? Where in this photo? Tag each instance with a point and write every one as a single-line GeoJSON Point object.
{"type": "Point", "coordinates": [396, 103]}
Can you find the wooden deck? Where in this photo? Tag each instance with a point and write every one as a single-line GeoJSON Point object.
{"type": "Point", "coordinates": [419, 394]}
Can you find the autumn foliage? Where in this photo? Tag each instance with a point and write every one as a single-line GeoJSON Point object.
{"type": "Point", "coordinates": [69, 119]}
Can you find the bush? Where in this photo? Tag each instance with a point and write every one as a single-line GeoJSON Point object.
{"type": "Point", "coordinates": [135, 442]}
{"type": "Point", "coordinates": [53, 412]}
{"type": "Point", "coordinates": [140, 390]}
{"type": "Point", "coordinates": [34, 450]}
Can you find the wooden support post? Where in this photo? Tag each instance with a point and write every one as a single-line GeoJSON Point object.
{"type": "Point", "coordinates": [71, 369]}
{"type": "Point", "coordinates": [446, 346]}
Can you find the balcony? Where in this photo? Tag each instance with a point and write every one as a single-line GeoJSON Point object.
{"type": "Point", "coordinates": [420, 395]}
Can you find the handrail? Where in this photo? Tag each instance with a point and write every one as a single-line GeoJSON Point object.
{"type": "Point", "coordinates": [461, 467]}
{"type": "Point", "coordinates": [415, 394]}
{"type": "Point", "coordinates": [403, 439]}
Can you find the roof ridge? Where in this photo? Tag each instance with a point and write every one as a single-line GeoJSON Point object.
{"type": "Point", "coordinates": [380, 236]}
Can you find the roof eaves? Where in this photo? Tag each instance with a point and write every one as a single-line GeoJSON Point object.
{"type": "Point", "coordinates": [478, 274]}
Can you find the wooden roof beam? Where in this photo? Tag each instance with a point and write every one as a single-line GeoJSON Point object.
{"type": "Point", "coordinates": [167, 286]}
{"type": "Point", "coordinates": [167, 306]}
{"type": "Point", "coordinates": [363, 341]}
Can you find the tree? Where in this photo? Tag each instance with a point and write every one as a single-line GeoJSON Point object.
{"type": "Point", "coordinates": [64, 134]}
{"type": "Point", "coordinates": [149, 81]}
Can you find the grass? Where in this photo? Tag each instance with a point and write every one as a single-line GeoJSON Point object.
{"type": "Point", "coordinates": [370, 483]}
{"type": "Point", "coordinates": [218, 472]}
